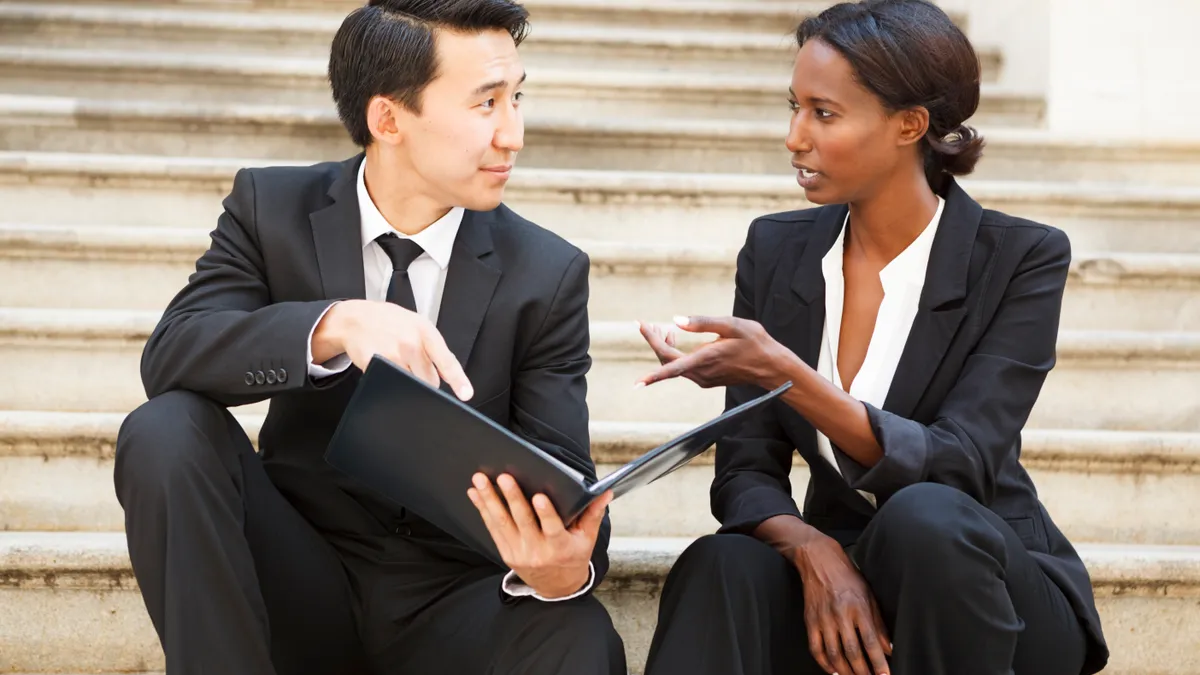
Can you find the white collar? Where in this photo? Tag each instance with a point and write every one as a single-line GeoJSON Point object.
{"type": "Point", "coordinates": [437, 240]}
{"type": "Point", "coordinates": [908, 268]}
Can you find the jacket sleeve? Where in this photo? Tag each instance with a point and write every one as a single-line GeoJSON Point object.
{"type": "Point", "coordinates": [752, 481]}
{"type": "Point", "coordinates": [222, 331]}
{"type": "Point", "coordinates": [549, 396]}
{"type": "Point", "coordinates": [981, 419]}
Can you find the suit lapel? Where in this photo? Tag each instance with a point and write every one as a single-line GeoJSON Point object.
{"type": "Point", "coordinates": [803, 333]}
{"type": "Point", "coordinates": [808, 284]}
{"type": "Point", "coordinates": [338, 237]}
{"type": "Point", "coordinates": [942, 307]}
{"type": "Point", "coordinates": [471, 281]}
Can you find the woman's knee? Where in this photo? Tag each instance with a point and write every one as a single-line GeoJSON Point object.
{"type": "Point", "coordinates": [928, 524]}
{"type": "Point", "coordinates": [166, 437]}
{"type": "Point", "coordinates": [728, 559]}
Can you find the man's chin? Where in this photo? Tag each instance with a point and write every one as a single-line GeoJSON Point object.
{"type": "Point", "coordinates": [484, 201]}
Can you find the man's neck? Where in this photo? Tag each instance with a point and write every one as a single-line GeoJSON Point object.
{"type": "Point", "coordinates": [406, 211]}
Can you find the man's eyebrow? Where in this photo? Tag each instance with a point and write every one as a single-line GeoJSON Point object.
{"type": "Point", "coordinates": [498, 84]}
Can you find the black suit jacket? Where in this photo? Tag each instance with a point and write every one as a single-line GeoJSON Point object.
{"type": "Point", "coordinates": [514, 312]}
{"type": "Point", "coordinates": [980, 348]}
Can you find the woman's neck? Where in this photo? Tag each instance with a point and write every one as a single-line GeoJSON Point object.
{"type": "Point", "coordinates": [887, 222]}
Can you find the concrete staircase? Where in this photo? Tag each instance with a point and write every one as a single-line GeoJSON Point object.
{"type": "Point", "coordinates": [122, 124]}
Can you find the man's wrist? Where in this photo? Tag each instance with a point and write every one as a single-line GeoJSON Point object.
{"type": "Point", "coordinates": [329, 337]}
{"type": "Point", "coordinates": [569, 586]}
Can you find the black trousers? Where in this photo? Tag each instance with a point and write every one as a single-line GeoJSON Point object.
{"type": "Point", "coordinates": [237, 581]}
{"type": "Point", "coordinates": [958, 592]}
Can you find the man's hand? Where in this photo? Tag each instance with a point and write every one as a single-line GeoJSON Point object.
{"type": "Point", "coordinates": [362, 328]}
{"type": "Point", "coordinates": [846, 633]}
{"type": "Point", "coordinates": [548, 557]}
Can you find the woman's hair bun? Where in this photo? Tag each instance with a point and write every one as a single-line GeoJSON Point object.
{"type": "Point", "coordinates": [955, 153]}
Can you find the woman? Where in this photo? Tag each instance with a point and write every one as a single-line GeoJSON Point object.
{"type": "Point", "coordinates": [917, 329]}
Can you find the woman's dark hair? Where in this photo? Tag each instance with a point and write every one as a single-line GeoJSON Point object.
{"type": "Point", "coordinates": [909, 54]}
{"type": "Point", "coordinates": [388, 48]}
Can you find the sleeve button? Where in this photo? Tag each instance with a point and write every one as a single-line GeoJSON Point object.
{"type": "Point", "coordinates": [249, 378]}
{"type": "Point", "coordinates": [259, 377]}
{"type": "Point", "coordinates": [271, 377]}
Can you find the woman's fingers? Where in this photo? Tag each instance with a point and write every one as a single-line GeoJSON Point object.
{"type": "Point", "coordinates": [816, 646]}
{"type": "Point", "coordinates": [852, 647]}
{"type": "Point", "coordinates": [874, 647]}
{"type": "Point", "coordinates": [832, 639]}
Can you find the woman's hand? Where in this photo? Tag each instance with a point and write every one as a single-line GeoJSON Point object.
{"type": "Point", "coordinates": [742, 354]}
{"type": "Point", "coordinates": [846, 633]}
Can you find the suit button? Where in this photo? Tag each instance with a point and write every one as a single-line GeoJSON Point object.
{"type": "Point", "coordinates": [403, 530]}
{"type": "Point", "coordinates": [271, 377]}
{"type": "Point", "coordinates": [282, 376]}
{"type": "Point", "coordinates": [259, 377]}
{"type": "Point", "coordinates": [250, 379]}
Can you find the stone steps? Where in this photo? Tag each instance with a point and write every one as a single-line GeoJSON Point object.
{"type": "Point", "coordinates": [88, 360]}
{"type": "Point", "coordinates": [303, 34]}
{"type": "Point", "coordinates": [142, 268]}
{"type": "Point", "coordinates": [63, 124]}
{"type": "Point", "coordinates": [770, 16]}
{"type": "Point", "coordinates": [550, 90]}
{"type": "Point", "coordinates": [651, 207]}
{"type": "Point", "coordinates": [74, 605]}
{"type": "Point", "coordinates": [1100, 486]}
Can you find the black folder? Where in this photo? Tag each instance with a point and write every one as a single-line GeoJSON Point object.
{"type": "Point", "coordinates": [419, 447]}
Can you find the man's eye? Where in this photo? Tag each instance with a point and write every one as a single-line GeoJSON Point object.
{"type": "Point", "coordinates": [823, 114]}
{"type": "Point", "coordinates": [793, 105]}
{"type": "Point", "coordinates": [519, 96]}
{"type": "Point", "coordinates": [490, 103]}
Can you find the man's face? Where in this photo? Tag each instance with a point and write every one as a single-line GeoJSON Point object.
{"type": "Point", "coordinates": [465, 141]}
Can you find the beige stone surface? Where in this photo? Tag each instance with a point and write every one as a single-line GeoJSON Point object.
{"type": "Point", "coordinates": [650, 207]}
{"type": "Point", "coordinates": [143, 268]}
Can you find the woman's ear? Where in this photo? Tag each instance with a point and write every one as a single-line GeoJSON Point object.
{"type": "Point", "coordinates": [914, 123]}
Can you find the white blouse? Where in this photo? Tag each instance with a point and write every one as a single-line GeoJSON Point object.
{"type": "Point", "coordinates": [903, 280]}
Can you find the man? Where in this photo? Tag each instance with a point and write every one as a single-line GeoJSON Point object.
{"type": "Point", "coordinates": [279, 564]}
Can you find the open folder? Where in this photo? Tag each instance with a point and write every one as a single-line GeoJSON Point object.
{"type": "Point", "coordinates": [419, 447]}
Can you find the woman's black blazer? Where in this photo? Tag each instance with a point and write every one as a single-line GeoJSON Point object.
{"type": "Point", "coordinates": [981, 345]}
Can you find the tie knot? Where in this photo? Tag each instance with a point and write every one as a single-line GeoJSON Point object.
{"type": "Point", "coordinates": [402, 251]}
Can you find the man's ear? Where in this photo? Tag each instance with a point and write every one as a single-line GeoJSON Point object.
{"type": "Point", "coordinates": [387, 120]}
{"type": "Point", "coordinates": [914, 123]}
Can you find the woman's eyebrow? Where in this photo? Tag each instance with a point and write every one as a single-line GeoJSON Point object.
{"type": "Point", "coordinates": [818, 100]}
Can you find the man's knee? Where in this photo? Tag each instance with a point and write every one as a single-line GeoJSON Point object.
{"type": "Point", "coordinates": [166, 438]}
{"type": "Point", "coordinates": [581, 626]}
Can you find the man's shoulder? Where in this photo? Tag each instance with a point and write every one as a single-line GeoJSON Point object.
{"type": "Point", "coordinates": [521, 240]}
{"type": "Point", "coordinates": [294, 183]}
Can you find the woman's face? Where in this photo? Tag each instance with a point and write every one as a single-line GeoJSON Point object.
{"type": "Point", "coordinates": [844, 143]}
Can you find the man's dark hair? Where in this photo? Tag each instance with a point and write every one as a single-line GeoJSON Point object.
{"type": "Point", "coordinates": [909, 54]}
{"type": "Point", "coordinates": [388, 48]}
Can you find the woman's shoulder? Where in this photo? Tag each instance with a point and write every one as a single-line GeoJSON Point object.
{"type": "Point", "coordinates": [1020, 237]}
{"type": "Point", "coordinates": [773, 228]}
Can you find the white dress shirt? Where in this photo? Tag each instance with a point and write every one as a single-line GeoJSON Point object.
{"type": "Point", "coordinates": [903, 280]}
{"type": "Point", "coordinates": [428, 277]}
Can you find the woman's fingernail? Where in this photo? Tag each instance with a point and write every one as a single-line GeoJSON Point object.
{"type": "Point", "coordinates": [683, 321]}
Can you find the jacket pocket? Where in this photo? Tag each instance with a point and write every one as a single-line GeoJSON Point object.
{"type": "Point", "coordinates": [1031, 535]}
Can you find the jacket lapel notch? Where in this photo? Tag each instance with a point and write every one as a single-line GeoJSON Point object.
{"type": "Point", "coordinates": [337, 236]}
{"type": "Point", "coordinates": [471, 282]}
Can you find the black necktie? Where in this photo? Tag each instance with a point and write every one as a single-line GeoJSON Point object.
{"type": "Point", "coordinates": [402, 252]}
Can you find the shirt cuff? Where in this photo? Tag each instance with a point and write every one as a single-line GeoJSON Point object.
{"type": "Point", "coordinates": [516, 588]}
{"type": "Point", "coordinates": [334, 366]}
